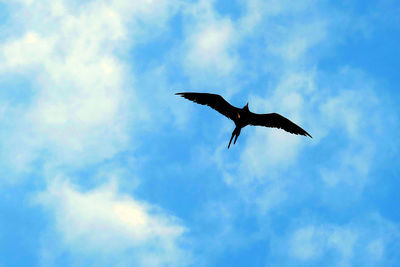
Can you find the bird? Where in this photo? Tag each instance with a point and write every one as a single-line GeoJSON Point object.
{"type": "Point", "coordinates": [243, 116]}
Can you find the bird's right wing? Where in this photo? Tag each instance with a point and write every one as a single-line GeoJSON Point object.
{"type": "Point", "coordinates": [214, 101]}
{"type": "Point", "coordinates": [276, 121]}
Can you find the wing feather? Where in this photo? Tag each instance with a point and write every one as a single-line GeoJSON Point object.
{"type": "Point", "coordinates": [277, 121]}
{"type": "Point", "coordinates": [214, 101]}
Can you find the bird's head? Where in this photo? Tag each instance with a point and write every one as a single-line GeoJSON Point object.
{"type": "Point", "coordinates": [246, 107]}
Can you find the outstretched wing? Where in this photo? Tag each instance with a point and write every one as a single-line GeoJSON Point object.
{"type": "Point", "coordinates": [214, 101]}
{"type": "Point", "coordinates": [276, 121]}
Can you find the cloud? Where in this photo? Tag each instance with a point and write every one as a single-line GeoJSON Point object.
{"type": "Point", "coordinates": [289, 30]}
{"type": "Point", "coordinates": [298, 41]}
{"type": "Point", "coordinates": [79, 111]}
{"type": "Point", "coordinates": [83, 93]}
{"type": "Point", "coordinates": [104, 221]}
{"type": "Point", "coordinates": [310, 242]}
{"type": "Point", "coordinates": [305, 243]}
{"type": "Point", "coordinates": [345, 245]}
{"type": "Point", "coordinates": [209, 48]}
{"type": "Point", "coordinates": [210, 42]}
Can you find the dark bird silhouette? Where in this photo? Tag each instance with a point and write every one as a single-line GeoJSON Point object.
{"type": "Point", "coordinates": [243, 116]}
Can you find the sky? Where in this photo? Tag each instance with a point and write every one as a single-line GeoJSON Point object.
{"type": "Point", "coordinates": [102, 165]}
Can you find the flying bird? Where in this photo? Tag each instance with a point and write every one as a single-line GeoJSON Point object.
{"type": "Point", "coordinates": [243, 116]}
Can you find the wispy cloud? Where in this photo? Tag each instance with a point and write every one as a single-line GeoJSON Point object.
{"type": "Point", "coordinates": [356, 243]}
{"type": "Point", "coordinates": [84, 93]}
{"type": "Point", "coordinates": [81, 112]}
{"type": "Point", "coordinates": [104, 221]}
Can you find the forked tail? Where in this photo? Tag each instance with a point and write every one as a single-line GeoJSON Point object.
{"type": "Point", "coordinates": [235, 132]}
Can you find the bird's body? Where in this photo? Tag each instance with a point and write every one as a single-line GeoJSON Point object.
{"type": "Point", "coordinates": [243, 116]}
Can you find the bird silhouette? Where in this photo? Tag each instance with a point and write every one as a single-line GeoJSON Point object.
{"type": "Point", "coordinates": [243, 116]}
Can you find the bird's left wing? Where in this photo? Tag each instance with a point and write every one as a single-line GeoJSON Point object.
{"type": "Point", "coordinates": [214, 101]}
{"type": "Point", "coordinates": [277, 121]}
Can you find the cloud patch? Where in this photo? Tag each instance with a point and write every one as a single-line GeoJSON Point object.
{"type": "Point", "coordinates": [104, 220]}
{"type": "Point", "coordinates": [84, 100]}
{"type": "Point", "coordinates": [363, 242]}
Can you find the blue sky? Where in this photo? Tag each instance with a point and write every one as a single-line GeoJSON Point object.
{"type": "Point", "coordinates": [102, 165]}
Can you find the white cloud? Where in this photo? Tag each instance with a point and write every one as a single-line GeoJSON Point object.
{"type": "Point", "coordinates": [104, 221]}
{"type": "Point", "coordinates": [364, 241]}
{"type": "Point", "coordinates": [343, 240]}
{"type": "Point", "coordinates": [268, 148]}
{"type": "Point", "coordinates": [305, 243]}
{"type": "Point", "coordinates": [84, 100]}
{"type": "Point", "coordinates": [310, 242]}
{"type": "Point", "coordinates": [348, 114]}
{"type": "Point", "coordinates": [298, 40]}
{"type": "Point", "coordinates": [210, 48]}
{"type": "Point", "coordinates": [341, 111]}
{"type": "Point", "coordinates": [259, 10]}
{"type": "Point", "coordinates": [210, 42]}
{"type": "Point", "coordinates": [352, 166]}
{"type": "Point", "coordinates": [289, 29]}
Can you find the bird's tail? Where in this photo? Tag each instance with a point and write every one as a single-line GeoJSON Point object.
{"type": "Point", "coordinates": [235, 132]}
